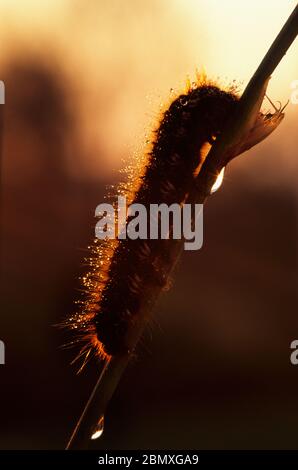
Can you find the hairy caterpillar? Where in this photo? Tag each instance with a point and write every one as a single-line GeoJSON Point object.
{"type": "Point", "coordinates": [123, 273]}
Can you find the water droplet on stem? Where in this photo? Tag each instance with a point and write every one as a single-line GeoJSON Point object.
{"type": "Point", "coordinates": [98, 430]}
{"type": "Point", "coordinates": [218, 182]}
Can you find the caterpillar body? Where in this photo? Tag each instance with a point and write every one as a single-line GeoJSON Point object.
{"type": "Point", "coordinates": [124, 273]}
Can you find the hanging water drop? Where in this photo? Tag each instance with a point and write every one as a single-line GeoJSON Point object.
{"type": "Point", "coordinates": [218, 181]}
{"type": "Point", "coordinates": [98, 430]}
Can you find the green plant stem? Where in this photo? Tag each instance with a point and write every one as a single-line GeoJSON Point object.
{"type": "Point", "coordinates": [249, 106]}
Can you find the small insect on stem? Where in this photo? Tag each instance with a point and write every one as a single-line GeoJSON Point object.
{"type": "Point", "coordinates": [281, 108]}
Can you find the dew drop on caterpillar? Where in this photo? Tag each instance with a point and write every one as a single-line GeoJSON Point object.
{"type": "Point", "coordinates": [123, 273]}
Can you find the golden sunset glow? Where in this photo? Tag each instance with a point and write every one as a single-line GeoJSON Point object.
{"type": "Point", "coordinates": [122, 61]}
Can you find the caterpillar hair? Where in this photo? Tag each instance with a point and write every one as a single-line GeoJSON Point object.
{"type": "Point", "coordinates": [123, 273]}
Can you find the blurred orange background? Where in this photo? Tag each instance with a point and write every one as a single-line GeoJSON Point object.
{"type": "Point", "coordinates": [84, 85]}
